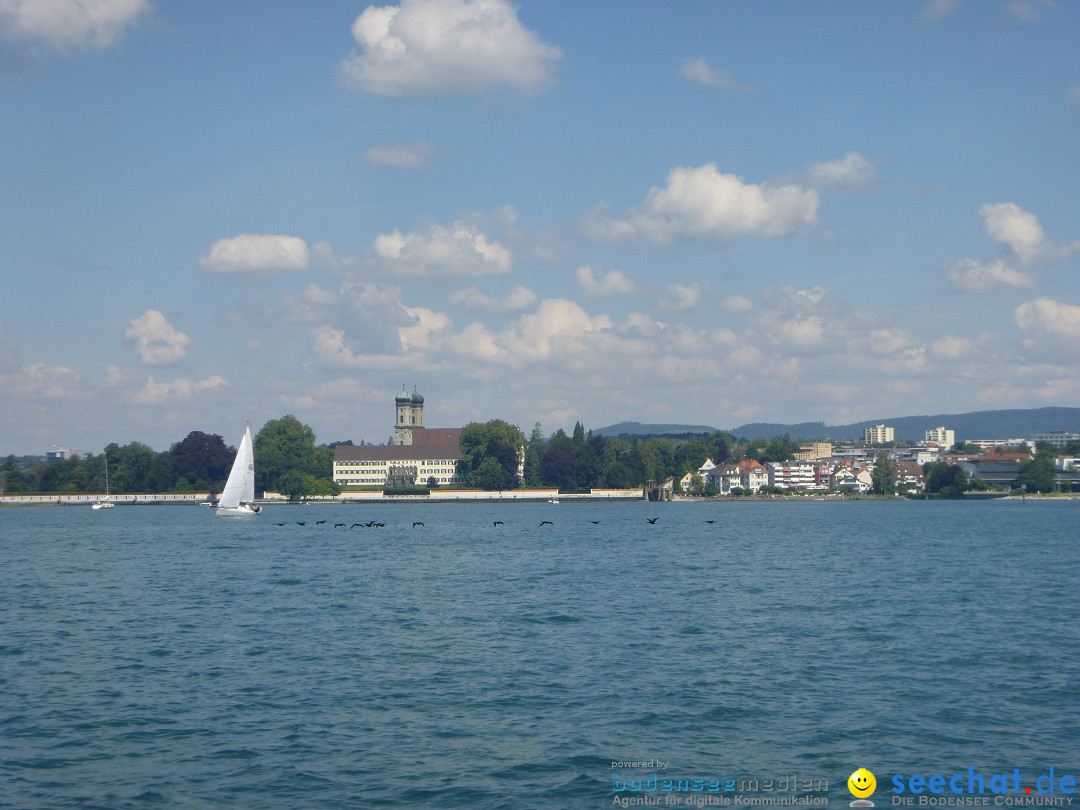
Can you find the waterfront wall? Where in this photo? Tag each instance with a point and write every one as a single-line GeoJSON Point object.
{"type": "Point", "coordinates": [119, 500]}
{"type": "Point", "coordinates": [366, 496]}
{"type": "Point", "coordinates": [467, 495]}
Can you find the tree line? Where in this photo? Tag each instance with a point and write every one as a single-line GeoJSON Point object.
{"type": "Point", "coordinates": [496, 455]}
{"type": "Point", "coordinates": [583, 460]}
{"type": "Point", "coordinates": [287, 460]}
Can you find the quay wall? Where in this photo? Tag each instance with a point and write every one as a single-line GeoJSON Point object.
{"type": "Point", "coordinates": [367, 496]}
{"type": "Point", "coordinates": [120, 500]}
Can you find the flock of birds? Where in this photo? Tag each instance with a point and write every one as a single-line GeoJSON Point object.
{"type": "Point", "coordinates": [374, 524]}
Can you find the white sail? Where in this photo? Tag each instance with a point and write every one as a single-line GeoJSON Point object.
{"type": "Point", "coordinates": [105, 503]}
{"type": "Point", "coordinates": [238, 497]}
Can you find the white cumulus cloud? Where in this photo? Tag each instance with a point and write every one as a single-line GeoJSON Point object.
{"type": "Point", "coordinates": [681, 297]}
{"type": "Point", "coordinates": [1009, 224]}
{"type": "Point", "coordinates": [155, 392]}
{"type": "Point", "coordinates": [70, 23]}
{"type": "Point", "coordinates": [1049, 318]}
{"type": "Point", "coordinates": [157, 341]}
{"type": "Point", "coordinates": [434, 47]}
{"type": "Point", "coordinates": [849, 173]}
{"type": "Point", "coordinates": [699, 71]}
{"type": "Point", "coordinates": [518, 298]}
{"type": "Point", "coordinates": [441, 252]}
{"type": "Point", "coordinates": [704, 203]}
{"type": "Point", "coordinates": [736, 304]}
{"type": "Point", "coordinates": [425, 330]}
{"type": "Point", "coordinates": [614, 282]}
{"type": "Point", "coordinates": [975, 276]}
{"type": "Point", "coordinates": [558, 327]}
{"type": "Point", "coordinates": [953, 348]}
{"type": "Point", "coordinates": [257, 255]}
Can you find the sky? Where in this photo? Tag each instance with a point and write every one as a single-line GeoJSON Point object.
{"type": "Point", "coordinates": [545, 212]}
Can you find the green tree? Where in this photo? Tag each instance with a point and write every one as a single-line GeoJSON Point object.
{"type": "Point", "coordinates": [558, 468]}
{"type": "Point", "coordinates": [489, 475]}
{"type": "Point", "coordinates": [1037, 474]}
{"type": "Point", "coordinates": [779, 448]}
{"type": "Point", "coordinates": [947, 480]}
{"type": "Point", "coordinates": [883, 477]}
{"type": "Point", "coordinates": [497, 440]}
{"type": "Point", "coordinates": [282, 446]}
{"type": "Point", "coordinates": [292, 484]}
{"type": "Point", "coordinates": [202, 457]}
{"type": "Point", "coordinates": [138, 469]}
{"type": "Point", "coordinates": [532, 465]}
{"type": "Point", "coordinates": [618, 476]}
{"type": "Point", "coordinates": [13, 482]}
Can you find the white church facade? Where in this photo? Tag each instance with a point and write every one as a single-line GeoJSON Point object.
{"type": "Point", "coordinates": [418, 454]}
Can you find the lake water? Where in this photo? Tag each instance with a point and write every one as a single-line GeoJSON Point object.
{"type": "Point", "coordinates": [165, 657]}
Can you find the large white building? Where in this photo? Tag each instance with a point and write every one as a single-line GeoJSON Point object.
{"type": "Point", "coordinates": [1057, 438]}
{"type": "Point", "coordinates": [941, 436]}
{"type": "Point", "coordinates": [418, 454]}
{"type": "Point", "coordinates": [878, 434]}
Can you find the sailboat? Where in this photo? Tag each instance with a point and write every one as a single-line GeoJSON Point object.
{"type": "Point", "coordinates": [104, 503]}
{"type": "Point", "coordinates": [238, 497]}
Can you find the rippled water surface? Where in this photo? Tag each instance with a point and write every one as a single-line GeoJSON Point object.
{"type": "Point", "coordinates": [164, 657]}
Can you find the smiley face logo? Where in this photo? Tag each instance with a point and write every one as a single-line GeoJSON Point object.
{"type": "Point", "coordinates": [861, 783]}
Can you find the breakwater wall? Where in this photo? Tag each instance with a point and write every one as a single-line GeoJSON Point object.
{"type": "Point", "coordinates": [366, 496]}
{"type": "Point", "coordinates": [190, 498]}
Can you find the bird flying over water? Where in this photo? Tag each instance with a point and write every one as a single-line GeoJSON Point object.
{"type": "Point", "coordinates": [652, 520]}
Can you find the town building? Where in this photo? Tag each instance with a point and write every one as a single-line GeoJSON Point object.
{"type": "Point", "coordinates": [878, 434]}
{"type": "Point", "coordinates": [1057, 438]}
{"type": "Point", "coordinates": [990, 444]}
{"type": "Point", "coordinates": [941, 436]}
{"type": "Point", "coordinates": [800, 475]}
{"type": "Point", "coordinates": [909, 476]}
{"type": "Point", "coordinates": [999, 471]}
{"type": "Point", "coordinates": [748, 475]}
{"type": "Point", "coordinates": [418, 454]}
{"type": "Point", "coordinates": [813, 451]}
{"type": "Point", "coordinates": [57, 453]}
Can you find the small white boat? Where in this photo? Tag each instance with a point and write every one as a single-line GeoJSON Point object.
{"type": "Point", "coordinates": [238, 497]}
{"type": "Point", "coordinates": [104, 503]}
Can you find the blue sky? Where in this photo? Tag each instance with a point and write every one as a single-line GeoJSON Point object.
{"type": "Point", "coordinates": [697, 212]}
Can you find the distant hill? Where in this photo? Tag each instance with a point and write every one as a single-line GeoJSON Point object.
{"type": "Point", "coordinates": [1007, 424]}
{"type": "Point", "coordinates": [638, 429]}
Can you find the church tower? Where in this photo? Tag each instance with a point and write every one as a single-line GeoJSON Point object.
{"type": "Point", "coordinates": [409, 415]}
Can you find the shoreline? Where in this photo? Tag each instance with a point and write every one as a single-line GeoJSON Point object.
{"type": "Point", "coordinates": [479, 496]}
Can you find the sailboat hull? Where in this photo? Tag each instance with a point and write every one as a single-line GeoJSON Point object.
{"type": "Point", "coordinates": [243, 510]}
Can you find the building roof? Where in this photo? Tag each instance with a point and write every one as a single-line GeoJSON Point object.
{"type": "Point", "coordinates": [427, 443]}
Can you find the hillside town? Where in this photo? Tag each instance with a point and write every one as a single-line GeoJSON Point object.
{"type": "Point", "coordinates": [989, 464]}
{"type": "Point", "coordinates": [419, 459]}
{"type": "Point", "coordinates": [432, 457]}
